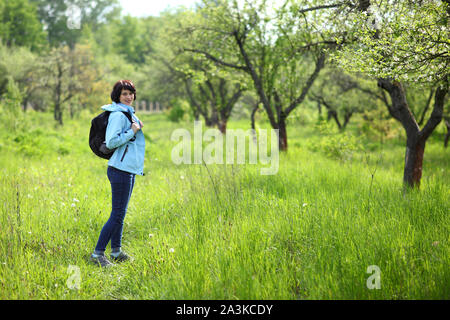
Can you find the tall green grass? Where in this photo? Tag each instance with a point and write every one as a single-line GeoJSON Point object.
{"type": "Point", "coordinates": [222, 231]}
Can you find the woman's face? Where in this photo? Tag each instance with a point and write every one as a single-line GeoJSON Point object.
{"type": "Point", "coordinates": [126, 97]}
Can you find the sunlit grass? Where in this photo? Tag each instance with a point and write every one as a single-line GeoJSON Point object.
{"type": "Point", "coordinates": [221, 231]}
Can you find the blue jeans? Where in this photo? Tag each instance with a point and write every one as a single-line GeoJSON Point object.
{"type": "Point", "coordinates": [122, 184]}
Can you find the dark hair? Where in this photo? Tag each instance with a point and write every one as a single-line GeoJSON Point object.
{"type": "Point", "coordinates": [119, 86]}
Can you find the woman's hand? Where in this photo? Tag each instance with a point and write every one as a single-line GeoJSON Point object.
{"type": "Point", "coordinates": [135, 127]}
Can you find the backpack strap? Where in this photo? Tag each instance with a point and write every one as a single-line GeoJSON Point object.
{"type": "Point", "coordinates": [128, 115]}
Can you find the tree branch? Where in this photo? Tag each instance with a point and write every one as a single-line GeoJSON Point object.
{"type": "Point", "coordinates": [216, 60]}
{"type": "Point", "coordinates": [329, 6]}
{"type": "Point", "coordinates": [319, 65]}
{"type": "Point", "coordinates": [400, 110]}
{"type": "Point", "coordinates": [436, 115]}
{"type": "Point", "coordinates": [427, 106]}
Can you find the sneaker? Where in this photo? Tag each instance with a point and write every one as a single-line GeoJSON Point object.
{"type": "Point", "coordinates": [101, 261]}
{"type": "Point", "coordinates": [122, 257]}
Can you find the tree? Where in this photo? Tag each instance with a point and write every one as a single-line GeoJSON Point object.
{"type": "Point", "coordinates": [56, 14]}
{"type": "Point", "coordinates": [403, 41]}
{"type": "Point", "coordinates": [20, 65]}
{"type": "Point", "coordinates": [134, 37]}
{"type": "Point", "coordinates": [279, 53]}
{"type": "Point", "coordinates": [67, 74]}
{"type": "Point", "coordinates": [340, 94]}
{"type": "Point", "coordinates": [19, 25]}
{"type": "Point", "coordinates": [211, 91]}
{"type": "Point", "coordinates": [213, 97]}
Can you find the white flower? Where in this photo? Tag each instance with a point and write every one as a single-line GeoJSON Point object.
{"type": "Point", "coordinates": [171, 250]}
{"type": "Point", "coordinates": [150, 235]}
{"type": "Point", "coordinates": [305, 204]}
{"type": "Point", "coordinates": [76, 200]}
{"type": "Point", "coordinates": [181, 177]}
{"type": "Point", "coordinates": [73, 205]}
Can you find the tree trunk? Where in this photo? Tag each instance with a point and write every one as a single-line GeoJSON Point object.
{"type": "Point", "coordinates": [347, 117]}
{"type": "Point", "coordinates": [415, 138]}
{"type": "Point", "coordinates": [58, 111]}
{"type": "Point", "coordinates": [252, 117]}
{"type": "Point", "coordinates": [447, 136]}
{"type": "Point", "coordinates": [334, 114]}
{"type": "Point", "coordinates": [282, 135]}
{"type": "Point", "coordinates": [25, 104]}
{"type": "Point", "coordinates": [319, 108]}
{"type": "Point", "coordinates": [415, 148]}
{"type": "Point", "coordinates": [208, 122]}
{"type": "Point", "coordinates": [223, 126]}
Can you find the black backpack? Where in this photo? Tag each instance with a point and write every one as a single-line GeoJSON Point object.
{"type": "Point", "coordinates": [97, 134]}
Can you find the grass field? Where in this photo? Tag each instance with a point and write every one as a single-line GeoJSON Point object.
{"type": "Point", "coordinates": [222, 231]}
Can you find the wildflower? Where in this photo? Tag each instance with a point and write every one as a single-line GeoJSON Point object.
{"type": "Point", "coordinates": [73, 205]}
{"type": "Point", "coordinates": [304, 205]}
{"type": "Point", "coordinates": [181, 177]}
{"type": "Point", "coordinates": [150, 235]}
{"type": "Point", "coordinates": [171, 250]}
{"type": "Point", "coordinates": [76, 200]}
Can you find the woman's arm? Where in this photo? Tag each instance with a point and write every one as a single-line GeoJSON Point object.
{"type": "Point", "coordinates": [115, 136]}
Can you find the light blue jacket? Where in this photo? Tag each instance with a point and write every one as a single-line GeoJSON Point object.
{"type": "Point", "coordinates": [130, 152]}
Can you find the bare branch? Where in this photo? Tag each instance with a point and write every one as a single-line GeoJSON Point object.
{"type": "Point", "coordinates": [436, 115]}
{"type": "Point", "coordinates": [216, 60]}
{"type": "Point", "coordinates": [329, 6]}
{"type": "Point", "coordinates": [319, 65]}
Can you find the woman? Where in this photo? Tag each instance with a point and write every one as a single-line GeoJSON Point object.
{"type": "Point", "coordinates": [126, 162]}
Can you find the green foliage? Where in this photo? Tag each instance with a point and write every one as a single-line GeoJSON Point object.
{"type": "Point", "coordinates": [19, 25]}
{"type": "Point", "coordinates": [335, 144]}
{"type": "Point", "coordinates": [134, 38]}
{"type": "Point", "coordinates": [403, 40]}
{"type": "Point", "coordinates": [10, 112]}
{"type": "Point", "coordinates": [177, 110]}
{"type": "Point", "coordinates": [378, 126]}
{"type": "Point", "coordinates": [57, 15]}
{"type": "Point", "coordinates": [21, 66]}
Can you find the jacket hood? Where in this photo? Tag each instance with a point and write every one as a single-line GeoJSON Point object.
{"type": "Point", "coordinates": [118, 107]}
